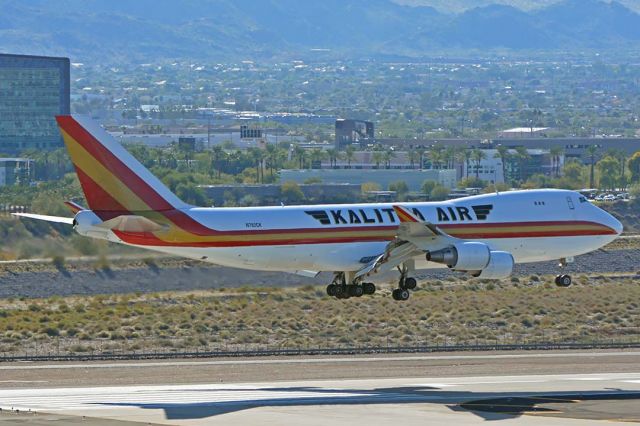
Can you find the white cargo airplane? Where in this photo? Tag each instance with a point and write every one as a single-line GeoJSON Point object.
{"type": "Point", "coordinates": [483, 235]}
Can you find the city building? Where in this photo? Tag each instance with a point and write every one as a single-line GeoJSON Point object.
{"type": "Point", "coordinates": [491, 169]}
{"type": "Point", "coordinates": [33, 90]}
{"type": "Point", "coordinates": [524, 132]}
{"type": "Point", "coordinates": [383, 177]}
{"type": "Point", "coordinates": [349, 132]}
{"type": "Point", "coordinates": [572, 147]}
{"type": "Point", "coordinates": [15, 171]}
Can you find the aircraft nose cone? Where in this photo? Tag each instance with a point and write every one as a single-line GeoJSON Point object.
{"type": "Point", "coordinates": [613, 223]}
{"type": "Point", "coordinates": [617, 226]}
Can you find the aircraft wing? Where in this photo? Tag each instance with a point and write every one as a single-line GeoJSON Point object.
{"type": "Point", "coordinates": [55, 219]}
{"type": "Point", "coordinates": [414, 237]}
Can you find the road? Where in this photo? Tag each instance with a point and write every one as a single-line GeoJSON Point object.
{"type": "Point", "coordinates": [464, 389]}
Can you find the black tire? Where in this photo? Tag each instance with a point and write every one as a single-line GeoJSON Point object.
{"type": "Point", "coordinates": [558, 283]}
{"type": "Point", "coordinates": [340, 291]}
{"type": "Point", "coordinates": [355, 290]}
{"type": "Point", "coordinates": [369, 288]}
{"type": "Point", "coordinates": [331, 290]}
{"type": "Point", "coordinates": [395, 294]}
{"type": "Point", "coordinates": [565, 280]}
{"type": "Point", "coordinates": [410, 283]}
{"type": "Point", "coordinates": [403, 294]}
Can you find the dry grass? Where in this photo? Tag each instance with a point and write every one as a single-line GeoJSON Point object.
{"type": "Point", "coordinates": [596, 308]}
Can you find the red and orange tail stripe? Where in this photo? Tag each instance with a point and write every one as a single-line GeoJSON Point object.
{"type": "Point", "coordinates": [404, 215]}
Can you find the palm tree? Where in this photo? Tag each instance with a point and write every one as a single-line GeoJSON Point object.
{"type": "Point", "coordinates": [412, 156]}
{"type": "Point", "coordinates": [388, 156]}
{"type": "Point", "coordinates": [257, 156]}
{"type": "Point", "coordinates": [349, 153]}
{"type": "Point", "coordinates": [421, 151]}
{"type": "Point", "coordinates": [377, 158]}
{"type": "Point", "coordinates": [522, 155]}
{"type": "Point", "coordinates": [503, 154]}
{"type": "Point", "coordinates": [555, 152]}
{"type": "Point", "coordinates": [436, 156]}
{"type": "Point", "coordinates": [621, 155]}
{"type": "Point", "coordinates": [591, 152]}
{"type": "Point", "coordinates": [477, 155]}
{"type": "Point", "coordinates": [300, 154]}
{"type": "Point", "coordinates": [460, 159]}
{"type": "Point", "coordinates": [271, 157]}
{"type": "Point", "coordinates": [332, 153]}
{"type": "Point", "coordinates": [217, 155]}
{"type": "Point", "coordinates": [448, 156]}
{"type": "Point", "coordinates": [316, 156]}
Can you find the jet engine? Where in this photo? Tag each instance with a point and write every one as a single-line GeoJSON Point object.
{"type": "Point", "coordinates": [500, 266]}
{"type": "Point", "coordinates": [469, 256]}
{"type": "Point", "coordinates": [476, 258]}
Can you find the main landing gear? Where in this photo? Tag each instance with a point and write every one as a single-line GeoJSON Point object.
{"type": "Point", "coordinates": [404, 285]}
{"type": "Point", "coordinates": [564, 280]}
{"type": "Point", "coordinates": [341, 290]}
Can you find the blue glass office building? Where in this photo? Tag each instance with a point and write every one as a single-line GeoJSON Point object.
{"type": "Point", "coordinates": [33, 90]}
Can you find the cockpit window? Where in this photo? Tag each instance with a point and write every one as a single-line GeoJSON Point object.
{"type": "Point", "coordinates": [582, 199]}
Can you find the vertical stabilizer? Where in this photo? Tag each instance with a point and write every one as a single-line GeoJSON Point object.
{"type": "Point", "coordinates": [113, 181]}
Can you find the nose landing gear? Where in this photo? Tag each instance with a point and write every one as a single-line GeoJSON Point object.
{"type": "Point", "coordinates": [564, 280]}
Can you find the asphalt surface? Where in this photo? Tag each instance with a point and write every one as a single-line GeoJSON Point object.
{"type": "Point", "coordinates": [545, 388]}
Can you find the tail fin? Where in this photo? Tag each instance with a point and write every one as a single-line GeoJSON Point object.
{"type": "Point", "coordinates": [113, 181]}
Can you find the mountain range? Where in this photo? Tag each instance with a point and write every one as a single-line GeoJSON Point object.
{"type": "Point", "coordinates": [109, 31]}
{"type": "Point", "coordinates": [457, 6]}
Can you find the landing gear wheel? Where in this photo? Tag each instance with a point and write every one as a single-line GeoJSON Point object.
{"type": "Point", "coordinates": [331, 290]}
{"type": "Point", "coordinates": [355, 290]}
{"type": "Point", "coordinates": [341, 291]}
{"type": "Point", "coordinates": [369, 288]}
{"type": "Point", "coordinates": [410, 283]}
{"type": "Point", "coordinates": [563, 280]}
{"type": "Point", "coordinates": [400, 294]}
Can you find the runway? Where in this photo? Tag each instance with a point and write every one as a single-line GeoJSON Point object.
{"type": "Point", "coordinates": [524, 398]}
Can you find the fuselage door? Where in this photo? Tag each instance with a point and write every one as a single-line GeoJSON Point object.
{"type": "Point", "coordinates": [570, 203]}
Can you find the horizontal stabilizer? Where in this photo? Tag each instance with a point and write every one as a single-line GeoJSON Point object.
{"type": "Point", "coordinates": [55, 219]}
{"type": "Point", "coordinates": [74, 207]}
{"type": "Point", "coordinates": [131, 223]}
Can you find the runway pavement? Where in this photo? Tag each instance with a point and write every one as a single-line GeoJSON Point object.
{"type": "Point", "coordinates": [466, 399]}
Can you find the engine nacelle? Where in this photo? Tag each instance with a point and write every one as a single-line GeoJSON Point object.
{"type": "Point", "coordinates": [469, 256]}
{"type": "Point", "coordinates": [500, 266]}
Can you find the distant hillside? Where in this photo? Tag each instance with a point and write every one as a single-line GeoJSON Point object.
{"type": "Point", "coordinates": [457, 6]}
{"type": "Point", "coordinates": [106, 31]}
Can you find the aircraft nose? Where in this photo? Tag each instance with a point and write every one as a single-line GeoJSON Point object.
{"type": "Point", "coordinates": [613, 223]}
